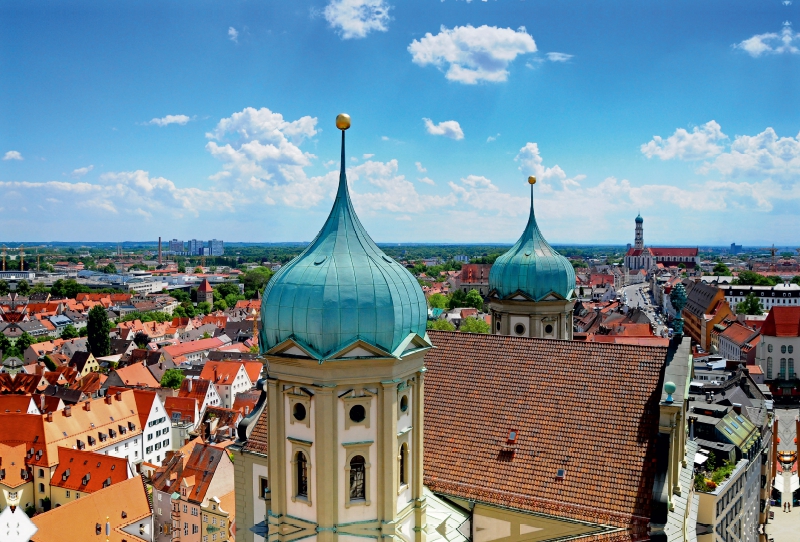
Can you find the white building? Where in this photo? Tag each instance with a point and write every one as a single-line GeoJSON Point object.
{"type": "Point", "coordinates": [229, 378]}
{"type": "Point", "coordinates": [156, 426]}
{"type": "Point", "coordinates": [782, 295]}
{"type": "Point", "coordinates": [779, 350]}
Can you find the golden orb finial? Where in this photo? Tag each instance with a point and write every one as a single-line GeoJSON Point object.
{"type": "Point", "coordinates": [531, 180]}
{"type": "Point", "coordinates": [343, 121]}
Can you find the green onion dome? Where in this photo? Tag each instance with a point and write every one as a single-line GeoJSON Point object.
{"type": "Point", "coordinates": [342, 288]}
{"type": "Point", "coordinates": [532, 268]}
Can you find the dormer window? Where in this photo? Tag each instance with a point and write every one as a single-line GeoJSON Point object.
{"type": "Point", "coordinates": [512, 436]}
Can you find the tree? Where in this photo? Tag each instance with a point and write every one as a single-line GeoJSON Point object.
{"type": "Point", "coordinates": [69, 332]}
{"type": "Point", "coordinates": [172, 379]}
{"type": "Point", "coordinates": [111, 269]}
{"type": "Point", "coordinates": [750, 278]}
{"type": "Point", "coordinates": [98, 326]}
{"type": "Point", "coordinates": [198, 270]}
{"type": "Point", "coordinates": [23, 342]}
{"type": "Point", "coordinates": [141, 339]}
{"type": "Point", "coordinates": [440, 325]}
{"type": "Point", "coordinates": [50, 364]}
{"type": "Point", "coordinates": [457, 298]}
{"type": "Point", "coordinates": [474, 299]}
{"type": "Point", "coordinates": [3, 287]}
{"type": "Point", "coordinates": [721, 270]}
{"type": "Point", "coordinates": [471, 324]}
{"type": "Point", "coordinates": [750, 305]}
{"type": "Point", "coordinates": [225, 289]}
{"type": "Point", "coordinates": [204, 307]}
{"type": "Point", "coordinates": [796, 279]}
{"type": "Point", "coordinates": [181, 268]}
{"type": "Point", "coordinates": [254, 281]}
{"type": "Point", "coordinates": [5, 346]}
{"type": "Point", "coordinates": [23, 288]}
{"type": "Point", "coordinates": [220, 305]}
{"type": "Point", "coordinates": [437, 301]}
{"type": "Point", "coordinates": [578, 263]}
{"type": "Point", "coordinates": [231, 299]}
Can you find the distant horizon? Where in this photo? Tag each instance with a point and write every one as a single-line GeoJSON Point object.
{"type": "Point", "coordinates": [154, 243]}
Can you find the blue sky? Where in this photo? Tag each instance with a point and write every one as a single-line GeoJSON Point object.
{"type": "Point", "coordinates": [129, 120]}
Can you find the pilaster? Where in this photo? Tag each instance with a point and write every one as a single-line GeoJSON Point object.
{"type": "Point", "coordinates": [326, 456]}
{"type": "Point", "coordinates": [387, 484]}
{"type": "Point", "coordinates": [418, 494]}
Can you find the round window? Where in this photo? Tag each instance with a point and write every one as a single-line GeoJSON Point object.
{"type": "Point", "coordinates": [519, 329]}
{"type": "Point", "coordinates": [404, 403]}
{"type": "Point", "coordinates": [299, 412]}
{"type": "Point", "coordinates": [548, 329]}
{"type": "Point", "coordinates": [358, 413]}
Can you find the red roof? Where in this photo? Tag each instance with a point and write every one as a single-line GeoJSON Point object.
{"type": "Point", "coordinates": [782, 322]}
{"type": "Point", "coordinates": [205, 287]}
{"type": "Point", "coordinates": [673, 251]}
{"type": "Point", "coordinates": [192, 346]}
{"type": "Point", "coordinates": [185, 406]}
{"type": "Point", "coordinates": [221, 372]}
{"type": "Point", "coordinates": [738, 334]}
{"type": "Point", "coordinates": [480, 387]}
{"type": "Point", "coordinates": [102, 470]}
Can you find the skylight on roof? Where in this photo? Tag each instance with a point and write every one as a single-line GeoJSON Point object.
{"type": "Point", "coordinates": [740, 419]}
{"type": "Point", "coordinates": [728, 429]}
{"type": "Point", "coordinates": [734, 425]}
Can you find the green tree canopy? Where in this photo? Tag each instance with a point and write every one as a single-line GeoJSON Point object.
{"type": "Point", "coordinates": [110, 269]}
{"type": "Point", "coordinates": [750, 278]}
{"type": "Point", "coordinates": [225, 289]}
{"type": "Point", "coordinates": [67, 288]}
{"type": "Point", "coordinates": [254, 281]}
{"type": "Point", "coordinates": [721, 270]}
{"type": "Point", "coordinates": [3, 287]}
{"type": "Point", "coordinates": [23, 342]}
{"type": "Point", "coordinates": [220, 305]}
{"type": "Point", "coordinates": [23, 288]}
{"type": "Point", "coordinates": [5, 346]}
{"type": "Point", "coordinates": [474, 299]}
{"type": "Point", "coordinates": [750, 305]}
{"type": "Point", "coordinates": [457, 298]}
{"type": "Point", "coordinates": [69, 332]}
{"type": "Point", "coordinates": [172, 378]}
{"type": "Point", "coordinates": [473, 325]}
{"type": "Point", "coordinates": [437, 301]}
{"type": "Point", "coordinates": [141, 339]}
{"type": "Point", "coordinates": [440, 325]}
{"type": "Point", "coordinates": [796, 279]}
{"type": "Point", "coordinates": [98, 326]}
{"type": "Point", "coordinates": [204, 307]}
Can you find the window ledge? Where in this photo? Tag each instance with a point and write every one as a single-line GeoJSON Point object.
{"type": "Point", "coordinates": [402, 488]}
{"type": "Point", "coordinates": [356, 502]}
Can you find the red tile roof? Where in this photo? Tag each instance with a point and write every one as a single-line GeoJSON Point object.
{"type": "Point", "coordinates": [12, 460]}
{"type": "Point", "coordinates": [738, 334]}
{"type": "Point", "coordinates": [137, 375]}
{"type": "Point", "coordinates": [16, 403]}
{"type": "Point", "coordinates": [479, 387]}
{"type": "Point", "coordinates": [782, 322]}
{"type": "Point", "coordinates": [258, 442]}
{"type": "Point", "coordinates": [199, 389]}
{"type": "Point", "coordinates": [205, 287]}
{"type": "Point", "coordinates": [103, 470]}
{"type": "Point", "coordinates": [221, 372]}
{"type": "Point", "coordinates": [121, 505]}
{"type": "Point", "coordinates": [192, 346]}
{"type": "Point", "coordinates": [187, 407]}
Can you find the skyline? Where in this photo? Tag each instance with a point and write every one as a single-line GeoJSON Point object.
{"type": "Point", "coordinates": [218, 122]}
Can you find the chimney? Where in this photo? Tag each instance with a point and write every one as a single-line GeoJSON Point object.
{"type": "Point", "coordinates": [49, 417]}
{"type": "Point", "coordinates": [189, 385]}
{"type": "Point", "coordinates": [68, 411]}
{"type": "Point", "coordinates": [41, 403]}
{"type": "Point", "coordinates": [87, 406]}
{"type": "Point", "coordinates": [737, 407]}
{"type": "Point", "coordinates": [246, 410]}
{"type": "Point", "coordinates": [108, 399]}
{"type": "Point", "coordinates": [118, 396]}
{"type": "Point", "coordinates": [216, 378]}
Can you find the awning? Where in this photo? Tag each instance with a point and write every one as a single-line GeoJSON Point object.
{"type": "Point", "coordinates": [778, 483]}
{"type": "Point", "coordinates": [699, 458]}
{"type": "Point", "coordinates": [794, 483]}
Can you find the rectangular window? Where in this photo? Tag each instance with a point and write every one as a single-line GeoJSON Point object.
{"type": "Point", "coordinates": [68, 494]}
{"type": "Point", "coordinates": [263, 487]}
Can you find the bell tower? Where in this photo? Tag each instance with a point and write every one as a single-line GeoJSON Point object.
{"type": "Point", "coordinates": [639, 240]}
{"type": "Point", "coordinates": [343, 332]}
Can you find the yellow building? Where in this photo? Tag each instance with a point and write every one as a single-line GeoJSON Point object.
{"type": "Point", "coordinates": [218, 517]}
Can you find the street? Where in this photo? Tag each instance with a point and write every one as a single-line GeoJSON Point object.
{"type": "Point", "coordinates": [638, 297]}
{"type": "Point", "coordinates": [784, 527]}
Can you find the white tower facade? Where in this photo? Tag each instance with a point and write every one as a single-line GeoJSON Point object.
{"type": "Point", "coordinates": [639, 242]}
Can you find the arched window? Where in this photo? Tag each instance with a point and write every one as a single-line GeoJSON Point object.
{"type": "Point", "coordinates": [769, 368]}
{"type": "Point", "coordinates": [769, 348]}
{"type": "Point", "coordinates": [302, 475]}
{"type": "Point", "coordinates": [782, 373]}
{"type": "Point", "coordinates": [403, 464]}
{"type": "Point", "coordinates": [357, 478]}
{"type": "Point", "coordinates": [783, 349]}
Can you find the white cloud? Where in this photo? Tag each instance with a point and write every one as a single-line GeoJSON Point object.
{"type": "Point", "coordinates": [81, 171]}
{"type": "Point", "coordinates": [702, 142]}
{"type": "Point", "coordinates": [13, 155]}
{"type": "Point", "coordinates": [448, 128]}
{"type": "Point", "coordinates": [357, 18]}
{"type": "Point", "coordinates": [764, 154]}
{"type": "Point", "coordinates": [129, 193]}
{"type": "Point", "coordinates": [385, 138]}
{"type": "Point", "coordinates": [772, 42]}
{"type": "Point", "coordinates": [420, 168]}
{"type": "Point", "coordinates": [492, 138]}
{"type": "Point", "coordinates": [427, 180]}
{"type": "Point", "coordinates": [558, 57]}
{"type": "Point", "coordinates": [170, 119]}
{"type": "Point", "coordinates": [233, 34]}
{"type": "Point", "coordinates": [395, 193]}
{"type": "Point", "coordinates": [367, 156]}
{"type": "Point", "coordinates": [472, 54]}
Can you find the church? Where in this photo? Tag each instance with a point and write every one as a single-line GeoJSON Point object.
{"type": "Point", "coordinates": [648, 258]}
{"type": "Point", "coordinates": [370, 426]}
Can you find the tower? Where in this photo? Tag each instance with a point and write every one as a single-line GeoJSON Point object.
{"type": "Point", "coordinates": [531, 287]}
{"type": "Point", "coordinates": [343, 331]}
{"type": "Point", "coordinates": [639, 239]}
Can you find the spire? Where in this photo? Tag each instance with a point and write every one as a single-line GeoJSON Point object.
{"type": "Point", "coordinates": [532, 227]}
{"type": "Point", "coordinates": [342, 123]}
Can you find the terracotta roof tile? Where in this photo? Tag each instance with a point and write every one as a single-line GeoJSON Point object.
{"type": "Point", "coordinates": [782, 322]}
{"type": "Point", "coordinates": [102, 470]}
{"type": "Point", "coordinates": [480, 387]}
